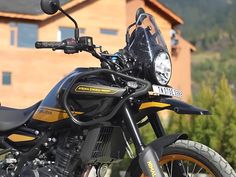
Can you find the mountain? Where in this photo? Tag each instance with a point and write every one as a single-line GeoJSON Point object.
{"type": "Point", "coordinates": [210, 24]}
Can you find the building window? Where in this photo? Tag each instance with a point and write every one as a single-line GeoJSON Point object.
{"type": "Point", "coordinates": [6, 78]}
{"type": "Point", "coordinates": [67, 32]}
{"type": "Point", "coordinates": [12, 40]}
{"type": "Point", "coordinates": [23, 34]}
{"type": "Point", "coordinates": [27, 35]}
{"type": "Point", "coordinates": [107, 31]}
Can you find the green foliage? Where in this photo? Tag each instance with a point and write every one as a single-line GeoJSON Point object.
{"type": "Point", "coordinates": [147, 133]}
{"type": "Point", "coordinates": [211, 67]}
{"type": "Point", "coordinates": [217, 130]}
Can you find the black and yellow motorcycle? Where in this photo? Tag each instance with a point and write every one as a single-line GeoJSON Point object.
{"type": "Point", "coordinates": [90, 118]}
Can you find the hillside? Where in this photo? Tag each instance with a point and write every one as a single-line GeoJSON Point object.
{"type": "Point", "coordinates": [210, 24]}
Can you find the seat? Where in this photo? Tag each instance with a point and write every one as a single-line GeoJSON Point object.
{"type": "Point", "coordinates": [11, 118]}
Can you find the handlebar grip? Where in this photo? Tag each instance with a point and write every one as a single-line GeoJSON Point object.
{"type": "Point", "coordinates": [40, 44]}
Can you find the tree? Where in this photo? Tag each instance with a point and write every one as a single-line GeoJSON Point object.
{"type": "Point", "coordinates": [217, 131]}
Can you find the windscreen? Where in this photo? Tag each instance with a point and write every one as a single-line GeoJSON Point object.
{"type": "Point", "coordinates": [146, 39]}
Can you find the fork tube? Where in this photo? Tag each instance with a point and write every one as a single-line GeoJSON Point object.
{"type": "Point", "coordinates": [133, 129]}
{"type": "Point", "coordinates": [155, 121]}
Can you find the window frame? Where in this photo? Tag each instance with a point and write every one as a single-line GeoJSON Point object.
{"type": "Point", "coordinates": [15, 36]}
{"type": "Point", "coordinates": [6, 78]}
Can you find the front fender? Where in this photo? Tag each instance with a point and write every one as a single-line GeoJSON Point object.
{"type": "Point", "coordinates": [178, 106]}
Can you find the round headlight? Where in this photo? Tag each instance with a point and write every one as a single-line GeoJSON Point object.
{"type": "Point", "coordinates": [162, 66]}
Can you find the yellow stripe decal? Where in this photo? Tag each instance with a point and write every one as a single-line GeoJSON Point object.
{"type": "Point", "coordinates": [153, 104]}
{"type": "Point", "coordinates": [93, 89]}
{"type": "Point", "coordinates": [47, 114]}
{"type": "Point", "coordinates": [20, 138]}
{"type": "Point", "coordinates": [59, 110]}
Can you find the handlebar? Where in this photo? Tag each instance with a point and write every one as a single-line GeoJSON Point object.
{"type": "Point", "coordinates": [52, 45]}
{"type": "Point", "coordinates": [69, 45]}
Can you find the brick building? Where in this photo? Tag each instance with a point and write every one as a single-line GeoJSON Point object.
{"type": "Point", "coordinates": [27, 74]}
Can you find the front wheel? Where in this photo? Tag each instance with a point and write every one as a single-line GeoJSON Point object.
{"type": "Point", "coordinates": [188, 159]}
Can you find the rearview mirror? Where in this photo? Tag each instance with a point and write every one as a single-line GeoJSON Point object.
{"type": "Point", "coordinates": [50, 6]}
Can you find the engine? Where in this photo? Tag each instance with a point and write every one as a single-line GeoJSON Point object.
{"type": "Point", "coordinates": [64, 161]}
{"type": "Point", "coordinates": [71, 154]}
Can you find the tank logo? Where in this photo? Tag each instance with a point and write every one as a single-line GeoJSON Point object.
{"type": "Point", "coordinates": [91, 89]}
{"type": "Point", "coordinates": [48, 114]}
{"type": "Point", "coordinates": [151, 168]}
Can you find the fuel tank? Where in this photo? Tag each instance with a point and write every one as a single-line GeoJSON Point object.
{"type": "Point", "coordinates": [91, 97]}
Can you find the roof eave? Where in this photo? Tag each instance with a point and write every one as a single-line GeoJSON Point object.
{"type": "Point", "coordinates": [21, 16]}
{"type": "Point", "coordinates": [175, 19]}
{"type": "Point", "coordinates": [39, 17]}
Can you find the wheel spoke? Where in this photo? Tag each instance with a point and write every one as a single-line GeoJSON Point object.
{"type": "Point", "coordinates": [193, 169]}
{"type": "Point", "coordinates": [199, 171]}
{"type": "Point", "coordinates": [171, 172]}
{"type": "Point", "coordinates": [184, 168]}
{"type": "Point", "coordinates": [168, 171]}
{"type": "Point", "coordinates": [187, 168]}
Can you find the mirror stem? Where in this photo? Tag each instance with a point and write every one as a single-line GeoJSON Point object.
{"type": "Point", "coordinates": [73, 20]}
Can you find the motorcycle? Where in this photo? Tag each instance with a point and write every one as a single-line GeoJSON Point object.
{"type": "Point", "coordinates": [92, 116]}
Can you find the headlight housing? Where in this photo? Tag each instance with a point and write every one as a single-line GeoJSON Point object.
{"type": "Point", "coordinates": [162, 68]}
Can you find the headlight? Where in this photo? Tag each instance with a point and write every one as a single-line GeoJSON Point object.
{"type": "Point", "coordinates": [162, 67]}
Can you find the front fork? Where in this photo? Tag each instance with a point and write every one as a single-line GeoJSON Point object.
{"type": "Point", "coordinates": [148, 158]}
